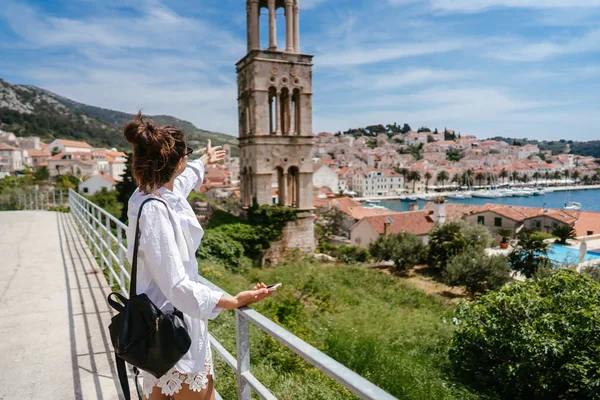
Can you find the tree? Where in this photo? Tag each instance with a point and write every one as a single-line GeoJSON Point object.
{"type": "Point", "coordinates": [530, 255]}
{"type": "Point", "coordinates": [576, 175]}
{"type": "Point", "coordinates": [424, 129]}
{"type": "Point", "coordinates": [536, 176]}
{"type": "Point", "coordinates": [427, 178]}
{"type": "Point", "coordinates": [404, 172]}
{"type": "Point", "coordinates": [125, 188]}
{"type": "Point", "coordinates": [515, 176]}
{"type": "Point", "coordinates": [453, 155]}
{"type": "Point", "coordinates": [532, 340]}
{"type": "Point", "coordinates": [406, 128]}
{"type": "Point", "coordinates": [405, 249]}
{"type": "Point", "coordinates": [41, 173]}
{"type": "Point", "coordinates": [557, 175]}
{"type": "Point", "coordinates": [442, 176]}
{"type": "Point", "coordinates": [564, 233]}
{"type": "Point", "coordinates": [445, 242]}
{"type": "Point", "coordinates": [503, 175]}
{"type": "Point", "coordinates": [479, 177]}
{"type": "Point", "coordinates": [505, 234]}
{"type": "Point", "coordinates": [477, 271]}
{"type": "Point", "coordinates": [107, 200]}
{"type": "Point", "coordinates": [55, 151]}
{"type": "Point", "coordinates": [430, 139]}
{"type": "Point", "coordinates": [414, 176]}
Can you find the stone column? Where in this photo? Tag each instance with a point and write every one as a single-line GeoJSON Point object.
{"type": "Point", "coordinates": [253, 26]}
{"type": "Point", "coordinates": [289, 26]}
{"type": "Point", "coordinates": [291, 115]}
{"type": "Point", "coordinates": [272, 26]}
{"type": "Point", "coordinates": [278, 113]}
{"type": "Point", "coordinates": [297, 27]}
{"type": "Point", "coordinates": [283, 189]}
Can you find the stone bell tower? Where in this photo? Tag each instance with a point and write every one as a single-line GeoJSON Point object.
{"type": "Point", "coordinates": [275, 120]}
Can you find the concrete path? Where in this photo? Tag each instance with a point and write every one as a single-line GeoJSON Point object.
{"type": "Point", "coordinates": [54, 341]}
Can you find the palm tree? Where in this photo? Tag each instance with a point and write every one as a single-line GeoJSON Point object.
{"type": "Point", "coordinates": [413, 177]}
{"type": "Point", "coordinates": [530, 254]}
{"type": "Point", "coordinates": [536, 176]}
{"type": "Point", "coordinates": [564, 233]}
{"type": "Point", "coordinates": [515, 176]}
{"type": "Point", "coordinates": [479, 177]}
{"type": "Point", "coordinates": [503, 174]}
{"type": "Point", "coordinates": [427, 178]}
{"type": "Point", "coordinates": [557, 175]}
{"type": "Point", "coordinates": [566, 174]}
{"type": "Point", "coordinates": [547, 176]}
{"type": "Point", "coordinates": [576, 176]}
{"type": "Point", "coordinates": [442, 176]}
{"type": "Point", "coordinates": [404, 173]}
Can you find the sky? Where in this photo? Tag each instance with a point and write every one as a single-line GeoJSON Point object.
{"type": "Point", "coordinates": [518, 68]}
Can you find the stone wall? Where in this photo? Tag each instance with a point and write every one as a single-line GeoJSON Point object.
{"type": "Point", "coordinates": [298, 235]}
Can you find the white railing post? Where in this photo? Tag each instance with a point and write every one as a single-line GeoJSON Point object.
{"type": "Point", "coordinates": [62, 201]}
{"type": "Point", "coordinates": [108, 241]}
{"type": "Point", "coordinates": [54, 197]}
{"type": "Point", "coordinates": [121, 258]}
{"type": "Point", "coordinates": [242, 339]}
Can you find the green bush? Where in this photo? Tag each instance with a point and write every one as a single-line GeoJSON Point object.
{"type": "Point", "coordinates": [219, 218]}
{"type": "Point", "coordinates": [382, 249]}
{"type": "Point", "coordinates": [405, 249]}
{"type": "Point", "coordinates": [541, 235]}
{"type": "Point", "coordinates": [593, 272]}
{"type": "Point", "coordinates": [477, 272]}
{"type": "Point", "coordinates": [352, 254]}
{"type": "Point", "coordinates": [107, 200]}
{"type": "Point", "coordinates": [532, 340]}
{"type": "Point", "coordinates": [63, 209]}
{"type": "Point", "coordinates": [252, 238]}
{"type": "Point", "coordinates": [272, 219]}
{"type": "Point", "coordinates": [452, 238]}
{"type": "Point", "coordinates": [220, 247]}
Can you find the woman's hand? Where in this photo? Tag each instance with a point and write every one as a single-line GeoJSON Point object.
{"type": "Point", "coordinates": [213, 154]}
{"type": "Point", "coordinates": [255, 295]}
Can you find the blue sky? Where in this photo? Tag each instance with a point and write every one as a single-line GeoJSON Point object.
{"type": "Point", "coordinates": [522, 68]}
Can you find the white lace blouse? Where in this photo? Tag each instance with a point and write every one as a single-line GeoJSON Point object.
{"type": "Point", "coordinates": [168, 274]}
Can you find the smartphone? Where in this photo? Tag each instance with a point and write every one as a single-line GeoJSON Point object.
{"type": "Point", "coordinates": [274, 287]}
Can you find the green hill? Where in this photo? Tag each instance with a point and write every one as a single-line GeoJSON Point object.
{"type": "Point", "coordinates": [31, 111]}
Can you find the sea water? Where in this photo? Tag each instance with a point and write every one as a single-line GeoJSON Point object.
{"type": "Point", "coordinates": [589, 199]}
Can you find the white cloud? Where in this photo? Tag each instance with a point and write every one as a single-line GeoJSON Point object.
{"type": "Point", "coordinates": [365, 54]}
{"type": "Point", "coordinates": [590, 42]}
{"type": "Point", "coordinates": [470, 6]}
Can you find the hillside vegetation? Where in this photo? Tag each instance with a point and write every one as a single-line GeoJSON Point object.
{"type": "Point", "coordinates": [381, 327]}
{"type": "Point", "coordinates": [31, 111]}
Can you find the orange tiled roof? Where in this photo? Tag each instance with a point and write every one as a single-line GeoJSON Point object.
{"type": "Point", "coordinates": [417, 222]}
{"type": "Point", "coordinates": [74, 143]}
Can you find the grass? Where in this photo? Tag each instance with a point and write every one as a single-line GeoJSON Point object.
{"type": "Point", "coordinates": [378, 325]}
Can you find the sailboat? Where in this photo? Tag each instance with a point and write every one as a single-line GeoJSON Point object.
{"type": "Point", "coordinates": [571, 205]}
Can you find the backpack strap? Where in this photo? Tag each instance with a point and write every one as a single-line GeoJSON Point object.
{"type": "Point", "coordinates": [136, 245]}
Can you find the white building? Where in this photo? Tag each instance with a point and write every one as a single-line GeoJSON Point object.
{"type": "Point", "coordinates": [378, 184]}
{"type": "Point", "coordinates": [325, 177]}
{"type": "Point", "coordinates": [11, 158]}
{"type": "Point", "coordinates": [69, 146]}
{"type": "Point", "coordinates": [96, 183]}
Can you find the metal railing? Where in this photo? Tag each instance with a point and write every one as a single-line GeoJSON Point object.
{"type": "Point", "coordinates": [98, 227]}
{"type": "Point", "coordinates": [34, 199]}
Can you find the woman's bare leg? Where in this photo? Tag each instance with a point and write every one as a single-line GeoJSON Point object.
{"type": "Point", "coordinates": [207, 393]}
{"type": "Point", "coordinates": [157, 394]}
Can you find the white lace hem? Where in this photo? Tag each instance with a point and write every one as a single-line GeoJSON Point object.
{"type": "Point", "coordinates": [170, 383]}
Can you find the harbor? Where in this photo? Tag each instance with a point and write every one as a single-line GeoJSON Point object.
{"type": "Point", "coordinates": [585, 198]}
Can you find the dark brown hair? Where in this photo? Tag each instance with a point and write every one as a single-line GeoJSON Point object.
{"type": "Point", "coordinates": [156, 152]}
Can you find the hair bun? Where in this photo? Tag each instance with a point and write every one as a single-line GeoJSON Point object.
{"type": "Point", "coordinates": [141, 131]}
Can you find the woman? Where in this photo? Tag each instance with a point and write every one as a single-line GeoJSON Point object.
{"type": "Point", "coordinates": [170, 236]}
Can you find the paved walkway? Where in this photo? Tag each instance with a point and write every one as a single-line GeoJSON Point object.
{"type": "Point", "coordinates": [54, 341]}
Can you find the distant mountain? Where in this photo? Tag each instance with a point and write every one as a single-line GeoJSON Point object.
{"type": "Point", "coordinates": [31, 111]}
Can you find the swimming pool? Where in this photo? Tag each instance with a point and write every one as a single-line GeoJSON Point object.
{"type": "Point", "coordinates": [568, 255]}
